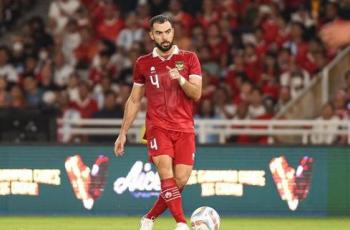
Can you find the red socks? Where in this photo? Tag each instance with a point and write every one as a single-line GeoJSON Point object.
{"type": "Point", "coordinates": [170, 197]}
{"type": "Point", "coordinates": [158, 208]}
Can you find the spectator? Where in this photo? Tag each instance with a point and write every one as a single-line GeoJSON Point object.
{"type": "Point", "coordinates": [244, 94]}
{"type": "Point", "coordinates": [224, 108]}
{"type": "Point", "coordinates": [17, 99]}
{"type": "Point", "coordinates": [65, 111]}
{"type": "Point", "coordinates": [6, 69]}
{"type": "Point", "coordinates": [17, 50]}
{"type": "Point", "coordinates": [102, 88]}
{"type": "Point", "coordinates": [110, 109]}
{"type": "Point", "coordinates": [104, 69]}
{"type": "Point", "coordinates": [59, 13]}
{"type": "Point", "coordinates": [241, 114]}
{"type": "Point", "coordinates": [339, 104]}
{"type": "Point", "coordinates": [297, 44]}
{"type": "Point", "coordinates": [31, 66]}
{"type": "Point", "coordinates": [85, 104]}
{"type": "Point", "coordinates": [296, 79]}
{"type": "Point", "coordinates": [331, 12]}
{"type": "Point", "coordinates": [111, 25]}
{"type": "Point", "coordinates": [72, 87]}
{"type": "Point", "coordinates": [181, 39]}
{"type": "Point", "coordinates": [179, 15]}
{"type": "Point", "coordinates": [284, 60]}
{"type": "Point", "coordinates": [38, 32]}
{"type": "Point", "coordinates": [62, 70]}
{"type": "Point", "coordinates": [206, 109]}
{"type": "Point", "coordinates": [11, 11]}
{"type": "Point", "coordinates": [268, 82]}
{"type": "Point", "coordinates": [217, 44]}
{"type": "Point", "coordinates": [208, 14]}
{"type": "Point", "coordinates": [46, 81]}
{"type": "Point", "coordinates": [302, 15]}
{"type": "Point", "coordinates": [71, 39]}
{"type": "Point", "coordinates": [33, 93]}
{"type": "Point", "coordinates": [4, 95]}
{"type": "Point", "coordinates": [325, 133]}
{"type": "Point", "coordinates": [124, 93]}
{"type": "Point", "coordinates": [198, 37]}
{"type": "Point", "coordinates": [283, 99]}
{"type": "Point", "coordinates": [256, 107]}
{"type": "Point", "coordinates": [131, 33]}
{"type": "Point", "coordinates": [143, 13]}
{"type": "Point", "coordinates": [156, 6]}
{"type": "Point", "coordinates": [87, 49]}
{"type": "Point", "coordinates": [208, 64]}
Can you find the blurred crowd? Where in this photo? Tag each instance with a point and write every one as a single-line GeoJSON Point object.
{"type": "Point", "coordinates": [11, 11]}
{"type": "Point", "coordinates": [256, 55]}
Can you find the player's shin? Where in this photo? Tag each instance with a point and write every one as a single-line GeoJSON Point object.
{"type": "Point", "coordinates": [172, 197]}
{"type": "Point", "coordinates": [159, 207]}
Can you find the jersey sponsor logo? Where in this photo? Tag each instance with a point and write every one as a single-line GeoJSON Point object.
{"type": "Point", "coordinates": [179, 65]}
{"type": "Point", "coordinates": [153, 144]}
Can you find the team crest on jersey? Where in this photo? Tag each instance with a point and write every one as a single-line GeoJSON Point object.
{"type": "Point", "coordinates": [153, 70]}
{"type": "Point", "coordinates": [179, 65]}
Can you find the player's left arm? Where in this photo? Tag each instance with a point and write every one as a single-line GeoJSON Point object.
{"type": "Point", "coordinates": [193, 86]}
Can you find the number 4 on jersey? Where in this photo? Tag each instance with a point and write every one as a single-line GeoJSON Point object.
{"type": "Point", "coordinates": [154, 80]}
{"type": "Point", "coordinates": [153, 144]}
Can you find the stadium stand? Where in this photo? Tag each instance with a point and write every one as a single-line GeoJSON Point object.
{"type": "Point", "coordinates": [256, 55]}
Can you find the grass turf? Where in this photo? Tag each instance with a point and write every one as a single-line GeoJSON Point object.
{"type": "Point", "coordinates": [132, 223]}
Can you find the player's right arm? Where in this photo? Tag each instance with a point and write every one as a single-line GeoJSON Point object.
{"type": "Point", "coordinates": [132, 106]}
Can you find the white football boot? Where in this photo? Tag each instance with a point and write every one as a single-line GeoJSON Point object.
{"type": "Point", "coordinates": [181, 226]}
{"type": "Point", "coordinates": [146, 224]}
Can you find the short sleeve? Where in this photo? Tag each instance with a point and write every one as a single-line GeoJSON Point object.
{"type": "Point", "coordinates": [138, 78]}
{"type": "Point", "coordinates": [195, 66]}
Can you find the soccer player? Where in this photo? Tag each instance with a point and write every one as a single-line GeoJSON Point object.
{"type": "Point", "coordinates": [171, 80]}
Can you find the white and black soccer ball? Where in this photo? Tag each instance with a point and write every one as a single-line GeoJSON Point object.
{"type": "Point", "coordinates": [205, 218]}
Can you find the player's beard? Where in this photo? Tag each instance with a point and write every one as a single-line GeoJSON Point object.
{"type": "Point", "coordinates": [164, 48]}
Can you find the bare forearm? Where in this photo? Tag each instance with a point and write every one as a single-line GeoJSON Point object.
{"type": "Point", "coordinates": [131, 110]}
{"type": "Point", "coordinates": [191, 90]}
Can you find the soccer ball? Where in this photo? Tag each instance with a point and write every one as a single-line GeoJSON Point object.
{"type": "Point", "coordinates": [205, 218]}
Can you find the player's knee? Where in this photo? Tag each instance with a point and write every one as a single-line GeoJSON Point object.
{"type": "Point", "coordinates": [165, 172]}
{"type": "Point", "coordinates": [181, 181]}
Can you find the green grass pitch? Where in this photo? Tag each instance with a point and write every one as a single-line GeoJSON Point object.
{"type": "Point", "coordinates": [166, 223]}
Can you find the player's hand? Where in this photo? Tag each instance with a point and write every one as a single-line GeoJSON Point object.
{"type": "Point", "coordinates": [336, 34]}
{"type": "Point", "coordinates": [119, 145]}
{"type": "Point", "coordinates": [174, 73]}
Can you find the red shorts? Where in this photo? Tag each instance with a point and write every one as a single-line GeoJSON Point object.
{"type": "Point", "coordinates": [178, 145]}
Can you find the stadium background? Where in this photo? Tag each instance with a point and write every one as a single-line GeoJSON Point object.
{"type": "Point", "coordinates": [262, 60]}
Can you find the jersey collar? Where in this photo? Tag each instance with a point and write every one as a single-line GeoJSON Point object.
{"type": "Point", "coordinates": [176, 50]}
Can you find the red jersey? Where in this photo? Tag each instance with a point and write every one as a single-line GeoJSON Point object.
{"type": "Point", "coordinates": [168, 105]}
{"type": "Point", "coordinates": [110, 29]}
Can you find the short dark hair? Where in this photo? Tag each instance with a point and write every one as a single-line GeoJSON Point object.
{"type": "Point", "coordinates": [161, 18]}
